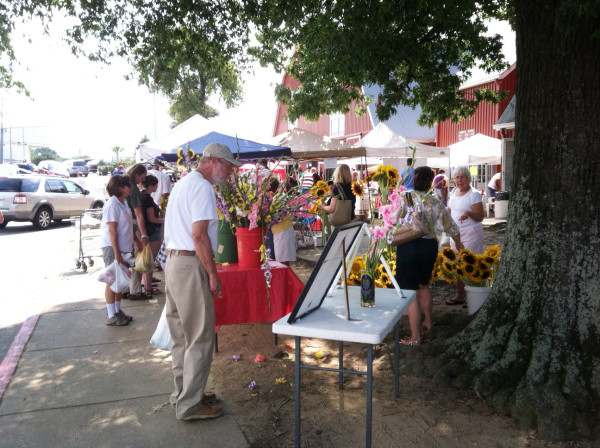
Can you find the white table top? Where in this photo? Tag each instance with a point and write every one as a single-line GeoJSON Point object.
{"type": "Point", "coordinates": [329, 321]}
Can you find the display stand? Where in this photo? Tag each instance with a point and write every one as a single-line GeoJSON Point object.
{"type": "Point", "coordinates": [315, 317]}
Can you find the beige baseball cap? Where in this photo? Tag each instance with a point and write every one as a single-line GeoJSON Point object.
{"type": "Point", "coordinates": [220, 151]}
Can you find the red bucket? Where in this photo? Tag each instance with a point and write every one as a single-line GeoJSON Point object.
{"type": "Point", "coordinates": [248, 246]}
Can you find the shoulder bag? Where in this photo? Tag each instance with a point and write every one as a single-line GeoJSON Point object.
{"type": "Point", "coordinates": [408, 232]}
{"type": "Point", "coordinates": [343, 209]}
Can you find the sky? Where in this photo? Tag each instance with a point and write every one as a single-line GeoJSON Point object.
{"type": "Point", "coordinates": [78, 107]}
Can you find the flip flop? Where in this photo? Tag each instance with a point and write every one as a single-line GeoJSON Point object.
{"type": "Point", "coordinates": [454, 302]}
{"type": "Point", "coordinates": [410, 342]}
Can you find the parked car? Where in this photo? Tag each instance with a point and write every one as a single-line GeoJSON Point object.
{"type": "Point", "coordinates": [29, 167]}
{"type": "Point", "coordinates": [76, 166]}
{"type": "Point", "coordinates": [53, 167]}
{"type": "Point", "coordinates": [92, 165]}
{"type": "Point", "coordinates": [41, 199]}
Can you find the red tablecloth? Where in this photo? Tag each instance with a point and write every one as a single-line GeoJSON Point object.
{"type": "Point", "coordinates": [244, 298]}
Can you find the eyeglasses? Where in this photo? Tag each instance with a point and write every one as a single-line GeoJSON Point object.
{"type": "Point", "coordinates": [226, 163]}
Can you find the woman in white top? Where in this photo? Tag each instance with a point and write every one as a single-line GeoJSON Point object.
{"type": "Point", "coordinates": [117, 239]}
{"type": "Point", "coordinates": [466, 209]}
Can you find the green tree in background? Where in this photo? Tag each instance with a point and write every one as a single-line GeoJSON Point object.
{"type": "Point", "coordinates": [117, 150]}
{"type": "Point", "coordinates": [39, 154]}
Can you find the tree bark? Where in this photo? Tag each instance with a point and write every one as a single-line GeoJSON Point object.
{"type": "Point", "coordinates": [535, 346]}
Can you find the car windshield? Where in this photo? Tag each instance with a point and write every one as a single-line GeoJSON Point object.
{"type": "Point", "coordinates": [78, 163]}
{"type": "Point", "coordinates": [19, 185]}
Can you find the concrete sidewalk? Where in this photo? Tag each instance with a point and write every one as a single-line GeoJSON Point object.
{"type": "Point", "coordinates": [80, 383]}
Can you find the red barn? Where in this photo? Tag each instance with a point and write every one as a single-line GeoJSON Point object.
{"type": "Point", "coordinates": [487, 114]}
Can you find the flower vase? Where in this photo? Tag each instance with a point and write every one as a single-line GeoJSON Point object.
{"type": "Point", "coordinates": [367, 290]}
{"type": "Point", "coordinates": [476, 297]}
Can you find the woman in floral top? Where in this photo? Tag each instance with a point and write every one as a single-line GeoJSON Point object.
{"type": "Point", "coordinates": [415, 259]}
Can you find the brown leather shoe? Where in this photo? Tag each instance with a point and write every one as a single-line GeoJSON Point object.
{"type": "Point", "coordinates": [204, 412]}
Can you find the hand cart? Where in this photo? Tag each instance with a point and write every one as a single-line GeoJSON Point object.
{"type": "Point", "coordinates": [89, 223]}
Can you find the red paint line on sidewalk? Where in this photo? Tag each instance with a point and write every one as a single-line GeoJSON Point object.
{"type": "Point", "coordinates": [11, 359]}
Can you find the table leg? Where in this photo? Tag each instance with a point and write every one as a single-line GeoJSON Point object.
{"type": "Point", "coordinates": [369, 393]}
{"type": "Point", "coordinates": [297, 393]}
{"type": "Point", "coordinates": [276, 340]}
{"type": "Point", "coordinates": [396, 359]}
{"type": "Point", "coordinates": [341, 364]}
{"type": "Point", "coordinates": [216, 343]}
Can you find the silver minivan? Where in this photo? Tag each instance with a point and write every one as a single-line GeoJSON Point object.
{"type": "Point", "coordinates": [42, 199]}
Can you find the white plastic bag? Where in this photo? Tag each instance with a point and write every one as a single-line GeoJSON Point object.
{"type": "Point", "coordinates": [161, 337]}
{"type": "Point", "coordinates": [108, 274]}
{"type": "Point", "coordinates": [122, 278]}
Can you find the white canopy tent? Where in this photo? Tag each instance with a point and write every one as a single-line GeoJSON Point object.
{"type": "Point", "coordinates": [187, 131]}
{"type": "Point", "coordinates": [477, 150]}
{"type": "Point", "coordinates": [308, 145]}
{"type": "Point", "coordinates": [382, 142]}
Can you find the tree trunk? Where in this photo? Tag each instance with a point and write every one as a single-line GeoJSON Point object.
{"type": "Point", "coordinates": [535, 346]}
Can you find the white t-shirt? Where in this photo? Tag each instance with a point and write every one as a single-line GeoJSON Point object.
{"type": "Point", "coordinates": [460, 204]}
{"type": "Point", "coordinates": [115, 211]}
{"type": "Point", "coordinates": [164, 185]}
{"type": "Point", "coordinates": [192, 200]}
{"type": "Point", "coordinates": [492, 183]}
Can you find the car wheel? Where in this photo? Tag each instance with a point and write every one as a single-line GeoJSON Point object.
{"type": "Point", "coordinates": [98, 205]}
{"type": "Point", "coordinates": [3, 225]}
{"type": "Point", "coordinates": [42, 218]}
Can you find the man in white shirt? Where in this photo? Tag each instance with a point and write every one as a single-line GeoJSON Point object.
{"type": "Point", "coordinates": [164, 181]}
{"type": "Point", "coordinates": [191, 280]}
{"type": "Point", "coordinates": [494, 185]}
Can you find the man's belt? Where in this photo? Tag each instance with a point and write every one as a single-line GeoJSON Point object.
{"type": "Point", "coordinates": [188, 253]}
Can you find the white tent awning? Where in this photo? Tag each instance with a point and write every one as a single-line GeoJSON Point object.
{"type": "Point", "coordinates": [179, 135]}
{"type": "Point", "coordinates": [477, 150]}
{"type": "Point", "coordinates": [308, 145]}
{"type": "Point", "coordinates": [382, 142]}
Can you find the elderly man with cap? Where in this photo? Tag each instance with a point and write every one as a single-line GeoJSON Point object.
{"type": "Point", "coordinates": [164, 181]}
{"type": "Point", "coordinates": [191, 280]}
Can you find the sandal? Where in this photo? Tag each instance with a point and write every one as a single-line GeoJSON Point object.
{"type": "Point", "coordinates": [411, 342]}
{"type": "Point", "coordinates": [454, 302]}
{"type": "Point", "coordinates": [154, 290]}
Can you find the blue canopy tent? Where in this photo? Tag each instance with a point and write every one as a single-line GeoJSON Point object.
{"type": "Point", "coordinates": [248, 150]}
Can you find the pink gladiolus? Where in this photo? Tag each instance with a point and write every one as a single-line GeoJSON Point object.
{"type": "Point", "coordinates": [379, 232]}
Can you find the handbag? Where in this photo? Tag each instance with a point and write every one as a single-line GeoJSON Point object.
{"type": "Point", "coordinates": [408, 232]}
{"type": "Point", "coordinates": [343, 210]}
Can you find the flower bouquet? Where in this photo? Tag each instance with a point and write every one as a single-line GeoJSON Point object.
{"type": "Point", "coordinates": [467, 267]}
{"type": "Point", "coordinates": [386, 177]}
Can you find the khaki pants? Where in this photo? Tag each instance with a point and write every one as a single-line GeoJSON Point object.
{"type": "Point", "coordinates": [135, 284]}
{"type": "Point", "coordinates": [191, 320]}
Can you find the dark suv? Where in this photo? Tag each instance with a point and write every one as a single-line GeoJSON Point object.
{"type": "Point", "coordinates": [41, 199]}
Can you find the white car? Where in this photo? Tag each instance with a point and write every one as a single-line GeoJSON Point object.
{"type": "Point", "coordinates": [42, 199]}
{"type": "Point", "coordinates": [53, 167]}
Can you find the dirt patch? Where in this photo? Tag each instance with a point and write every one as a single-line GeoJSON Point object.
{"type": "Point", "coordinates": [425, 415]}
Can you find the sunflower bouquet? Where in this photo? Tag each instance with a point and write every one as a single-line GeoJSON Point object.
{"type": "Point", "coordinates": [386, 177]}
{"type": "Point", "coordinates": [467, 267]}
{"type": "Point", "coordinates": [186, 157]}
{"type": "Point", "coordinates": [380, 275]}
{"type": "Point", "coordinates": [320, 192]}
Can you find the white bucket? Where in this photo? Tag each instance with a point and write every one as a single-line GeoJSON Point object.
{"type": "Point", "coordinates": [500, 209]}
{"type": "Point", "coordinates": [476, 297]}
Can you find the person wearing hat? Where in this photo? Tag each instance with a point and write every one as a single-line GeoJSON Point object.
{"type": "Point", "coordinates": [191, 280]}
{"type": "Point", "coordinates": [119, 170]}
{"type": "Point", "coordinates": [164, 181]}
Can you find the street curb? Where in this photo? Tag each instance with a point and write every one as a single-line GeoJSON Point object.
{"type": "Point", "coordinates": [11, 359]}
